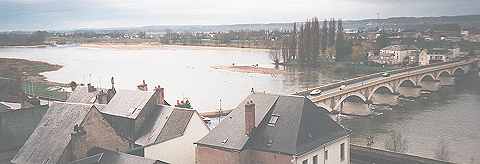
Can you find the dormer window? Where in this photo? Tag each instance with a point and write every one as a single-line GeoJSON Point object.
{"type": "Point", "coordinates": [273, 120]}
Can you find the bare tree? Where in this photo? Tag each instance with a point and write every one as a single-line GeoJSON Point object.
{"type": "Point", "coordinates": [442, 153]}
{"type": "Point", "coordinates": [275, 55]}
{"type": "Point", "coordinates": [396, 142]}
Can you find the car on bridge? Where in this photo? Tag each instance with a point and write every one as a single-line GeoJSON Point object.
{"type": "Point", "coordinates": [386, 74]}
{"type": "Point", "coordinates": [316, 92]}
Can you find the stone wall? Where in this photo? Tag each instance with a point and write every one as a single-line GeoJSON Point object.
{"type": "Point", "coordinates": [98, 133]}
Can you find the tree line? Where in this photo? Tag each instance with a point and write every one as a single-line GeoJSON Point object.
{"type": "Point", "coordinates": [306, 41]}
{"type": "Point", "coordinates": [23, 39]}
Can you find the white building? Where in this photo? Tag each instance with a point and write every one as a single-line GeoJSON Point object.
{"type": "Point", "coordinates": [395, 55]}
{"type": "Point", "coordinates": [177, 130]}
{"type": "Point", "coordinates": [433, 56]}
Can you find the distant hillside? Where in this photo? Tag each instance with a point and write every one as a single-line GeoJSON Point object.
{"type": "Point", "coordinates": [396, 22]}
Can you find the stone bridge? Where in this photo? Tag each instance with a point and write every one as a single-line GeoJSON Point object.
{"type": "Point", "coordinates": [354, 96]}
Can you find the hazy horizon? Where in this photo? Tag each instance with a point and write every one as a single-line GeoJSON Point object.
{"type": "Point", "coordinates": [69, 14]}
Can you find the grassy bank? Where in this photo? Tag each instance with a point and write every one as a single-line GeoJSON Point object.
{"type": "Point", "coordinates": [25, 75]}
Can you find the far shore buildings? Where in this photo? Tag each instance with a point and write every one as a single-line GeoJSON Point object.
{"type": "Point", "coordinates": [276, 129]}
{"type": "Point", "coordinates": [395, 55]}
{"type": "Point", "coordinates": [432, 56]}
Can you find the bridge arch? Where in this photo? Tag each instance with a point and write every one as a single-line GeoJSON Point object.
{"type": "Point", "coordinates": [458, 71]}
{"type": "Point", "coordinates": [350, 96]}
{"type": "Point", "coordinates": [377, 88]}
{"type": "Point", "coordinates": [324, 106]}
{"type": "Point", "coordinates": [426, 76]}
{"type": "Point", "coordinates": [443, 73]}
{"type": "Point", "coordinates": [406, 83]}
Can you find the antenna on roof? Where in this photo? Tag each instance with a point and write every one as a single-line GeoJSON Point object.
{"type": "Point", "coordinates": [220, 112]}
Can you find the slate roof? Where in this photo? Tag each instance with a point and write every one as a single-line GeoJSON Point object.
{"type": "Point", "coordinates": [49, 140]}
{"type": "Point", "coordinates": [81, 95]}
{"type": "Point", "coordinates": [232, 128]}
{"type": "Point", "coordinates": [105, 156]}
{"type": "Point", "coordinates": [301, 126]}
{"type": "Point", "coordinates": [165, 123]}
{"type": "Point", "coordinates": [128, 103]}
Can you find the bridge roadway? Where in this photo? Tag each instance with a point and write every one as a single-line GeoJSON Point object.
{"type": "Point", "coordinates": [363, 82]}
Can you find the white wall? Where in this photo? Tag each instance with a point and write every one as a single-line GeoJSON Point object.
{"type": "Point", "coordinates": [180, 150]}
{"type": "Point", "coordinates": [333, 153]}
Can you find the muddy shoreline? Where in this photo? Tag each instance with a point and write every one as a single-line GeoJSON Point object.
{"type": "Point", "coordinates": [29, 70]}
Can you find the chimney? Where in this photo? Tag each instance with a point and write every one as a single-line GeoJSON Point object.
{"type": "Point", "coordinates": [160, 92]}
{"type": "Point", "coordinates": [143, 86]}
{"type": "Point", "coordinates": [249, 117]}
{"type": "Point", "coordinates": [90, 87]}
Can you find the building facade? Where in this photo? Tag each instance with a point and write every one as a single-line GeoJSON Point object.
{"type": "Point", "coordinates": [275, 129]}
{"type": "Point", "coordinates": [395, 55]}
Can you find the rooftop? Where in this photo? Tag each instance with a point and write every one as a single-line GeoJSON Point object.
{"type": "Point", "coordinates": [128, 103]}
{"type": "Point", "coordinates": [49, 140]}
{"type": "Point", "coordinates": [165, 123]}
{"type": "Point", "coordinates": [82, 95]}
{"type": "Point", "coordinates": [104, 156]}
{"type": "Point", "coordinates": [285, 124]}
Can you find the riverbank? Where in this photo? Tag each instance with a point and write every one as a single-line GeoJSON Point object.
{"type": "Point", "coordinates": [32, 83]}
{"type": "Point", "coordinates": [33, 46]}
{"type": "Point", "coordinates": [30, 70]}
{"type": "Point", "coordinates": [143, 45]}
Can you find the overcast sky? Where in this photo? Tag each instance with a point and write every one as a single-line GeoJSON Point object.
{"type": "Point", "coordinates": [74, 14]}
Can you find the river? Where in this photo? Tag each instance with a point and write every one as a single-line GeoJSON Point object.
{"type": "Point", "coordinates": [453, 114]}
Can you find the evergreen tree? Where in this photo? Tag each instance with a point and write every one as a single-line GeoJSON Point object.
{"type": "Point", "coordinates": [343, 47]}
{"type": "Point", "coordinates": [324, 36]}
{"type": "Point", "coordinates": [331, 32]}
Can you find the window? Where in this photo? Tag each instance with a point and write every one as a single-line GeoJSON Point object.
{"type": "Point", "coordinates": [315, 159]}
{"type": "Point", "coordinates": [326, 154]}
{"type": "Point", "coordinates": [305, 161]}
{"type": "Point", "coordinates": [273, 120]}
{"type": "Point", "coordinates": [342, 151]}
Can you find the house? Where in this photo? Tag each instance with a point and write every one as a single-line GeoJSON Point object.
{"type": "Point", "coordinates": [433, 56]}
{"type": "Point", "coordinates": [160, 131]}
{"type": "Point", "coordinates": [276, 129]}
{"type": "Point", "coordinates": [104, 156]}
{"type": "Point", "coordinates": [128, 111]}
{"type": "Point", "coordinates": [395, 55]}
{"type": "Point", "coordinates": [171, 134]}
{"type": "Point", "coordinates": [66, 132]}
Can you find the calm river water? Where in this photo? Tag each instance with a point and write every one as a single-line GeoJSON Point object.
{"type": "Point", "coordinates": [453, 114]}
